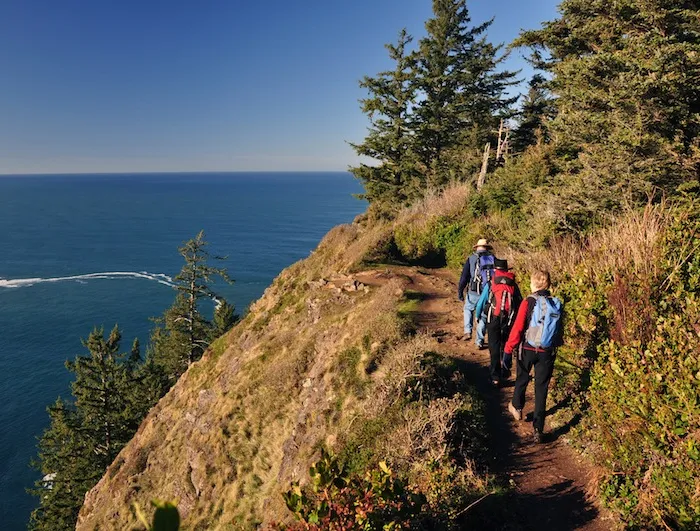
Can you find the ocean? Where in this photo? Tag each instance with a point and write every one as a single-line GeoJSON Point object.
{"type": "Point", "coordinates": [79, 251]}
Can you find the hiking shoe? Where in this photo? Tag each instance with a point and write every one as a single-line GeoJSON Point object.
{"type": "Point", "coordinates": [480, 346]}
{"type": "Point", "coordinates": [517, 413]}
{"type": "Point", "coordinates": [537, 436]}
{"type": "Point", "coordinates": [467, 336]}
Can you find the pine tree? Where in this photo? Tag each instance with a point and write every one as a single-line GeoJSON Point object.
{"type": "Point", "coordinates": [224, 318]}
{"type": "Point", "coordinates": [103, 387]}
{"type": "Point", "coordinates": [462, 93]}
{"type": "Point", "coordinates": [184, 333]}
{"type": "Point", "coordinates": [154, 381]}
{"type": "Point", "coordinates": [84, 437]}
{"type": "Point", "coordinates": [395, 180]}
{"type": "Point", "coordinates": [537, 109]}
{"type": "Point", "coordinates": [626, 76]}
{"type": "Point", "coordinates": [68, 471]}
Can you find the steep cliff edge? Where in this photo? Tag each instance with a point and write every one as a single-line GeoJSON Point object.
{"type": "Point", "coordinates": [335, 354]}
{"type": "Point", "coordinates": [324, 358]}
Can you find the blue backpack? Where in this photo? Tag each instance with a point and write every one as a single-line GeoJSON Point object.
{"type": "Point", "coordinates": [545, 323]}
{"type": "Point", "coordinates": [483, 271]}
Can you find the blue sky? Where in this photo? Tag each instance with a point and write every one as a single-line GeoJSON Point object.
{"type": "Point", "coordinates": [210, 85]}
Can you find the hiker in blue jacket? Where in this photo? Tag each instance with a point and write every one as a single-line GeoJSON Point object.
{"type": "Point", "coordinates": [476, 273]}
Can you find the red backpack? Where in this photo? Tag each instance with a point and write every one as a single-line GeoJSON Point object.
{"type": "Point", "coordinates": [503, 299]}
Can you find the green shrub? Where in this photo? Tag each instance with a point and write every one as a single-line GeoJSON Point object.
{"type": "Point", "coordinates": [632, 337]}
{"type": "Point", "coordinates": [340, 501]}
{"type": "Point", "coordinates": [337, 499]}
{"type": "Point", "coordinates": [415, 242]}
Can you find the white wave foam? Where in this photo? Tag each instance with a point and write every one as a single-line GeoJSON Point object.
{"type": "Point", "coordinates": [110, 275]}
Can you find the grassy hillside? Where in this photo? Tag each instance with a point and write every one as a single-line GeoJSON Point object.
{"type": "Point", "coordinates": [329, 358]}
{"type": "Point", "coordinates": [323, 360]}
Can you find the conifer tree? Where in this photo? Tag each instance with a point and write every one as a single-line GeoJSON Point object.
{"type": "Point", "coordinates": [537, 109]}
{"type": "Point", "coordinates": [153, 378]}
{"type": "Point", "coordinates": [184, 333]}
{"type": "Point", "coordinates": [395, 180]}
{"type": "Point", "coordinates": [462, 92]}
{"type": "Point", "coordinates": [224, 318]}
{"type": "Point", "coordinates": [83, 438]}
{"type": "Point", "coordinates": [104, 385]}
{"type": "Point", "coordinates": [68, 471]}
{"type": "Point", "coordinates": [626, 76]}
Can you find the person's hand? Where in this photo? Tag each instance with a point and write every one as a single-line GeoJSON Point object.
{"type": "Point", "coordinates": [507, 361]}
{"type": "Point", "coordinates": [460, 297]}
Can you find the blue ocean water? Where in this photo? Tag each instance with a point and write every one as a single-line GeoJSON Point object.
{"type": "Point", "coordinates": [129, 226]}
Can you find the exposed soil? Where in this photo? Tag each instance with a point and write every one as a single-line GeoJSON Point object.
{"type": "Point", "coordinates": [550, 482]}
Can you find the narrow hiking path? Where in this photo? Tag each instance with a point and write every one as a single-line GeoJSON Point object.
{"type": "Point", "coordinates": [549, 481]}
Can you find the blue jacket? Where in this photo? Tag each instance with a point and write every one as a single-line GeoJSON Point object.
{"type": "Point", "coordinates": [467, 270]}
{"type": "Point", "coordinates": [481, 305]}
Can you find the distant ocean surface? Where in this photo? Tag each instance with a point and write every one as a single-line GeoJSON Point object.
{"type": "Point", "coordinates": [79, 251]}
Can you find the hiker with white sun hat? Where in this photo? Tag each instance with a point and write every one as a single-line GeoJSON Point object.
{"type": "Point", "coordinates": [476, 274]}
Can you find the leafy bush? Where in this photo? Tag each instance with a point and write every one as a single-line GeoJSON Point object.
{"type": "Point", "coordinates": [339, 501]}
{"type": "Point", "coordinates": [632, 342]}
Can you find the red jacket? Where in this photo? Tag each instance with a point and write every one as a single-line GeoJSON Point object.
{"type": "Point", "coordinates": [522, 321]}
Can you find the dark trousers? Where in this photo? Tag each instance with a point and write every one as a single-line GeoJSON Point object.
{"type": "Point", "coordinates": [497, 341]}
{"type": "Point", "coordinates": [544, 366]}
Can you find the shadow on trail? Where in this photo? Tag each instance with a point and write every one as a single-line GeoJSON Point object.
{"type": "Point", "coordinates": [565, 428]}
{"type": "Point", "coordinates": [560, 506]}
{"type": "Point", "coordinates": [560, 405]}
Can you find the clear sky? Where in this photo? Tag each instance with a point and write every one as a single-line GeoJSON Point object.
{"type": "Point", "coordinates": [202, 85]}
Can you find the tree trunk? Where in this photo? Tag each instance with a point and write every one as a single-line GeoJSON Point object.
{"type": "Point", "coordinates": [484, 167]}
{"type": "Point", "coordinates": [499, 146]}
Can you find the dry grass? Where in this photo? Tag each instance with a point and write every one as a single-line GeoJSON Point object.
{"type": "Point", "coordinates": [401, 366]}
{"type": "Point", "coordinates": [424, 432]}
{"type": "Point", "coordinates": [241, 424]}
{"type": "Point", "coordinates": [435, 204]}
{"type": "Point", "coordinates": [631, 244]}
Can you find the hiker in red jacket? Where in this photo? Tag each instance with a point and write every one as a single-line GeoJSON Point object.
{"type": "Point", "coordinates": [499, 302]}
{"type": "Point", "coordinates": [538, 329]}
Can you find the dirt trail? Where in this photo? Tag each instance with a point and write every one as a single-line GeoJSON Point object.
{"type": "Point", "coordinates": [549, 480]}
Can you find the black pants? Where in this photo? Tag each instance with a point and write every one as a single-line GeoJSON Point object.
{"type": "Point", "coordinates": [544, 366]}
{"type": "Point", "coordinates": [498, 336]}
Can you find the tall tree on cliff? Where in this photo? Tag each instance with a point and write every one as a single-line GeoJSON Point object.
{"type": "Point", "coordinates": [83, 438]}
{"type": "Point", "coordinates": [394, 181]}
{"type": "Point", "coordinates": [184, 332]}
{"type": "Point", "coordinates": [462, 92]}
{"type": "Point", "coordinates": [626, 76]}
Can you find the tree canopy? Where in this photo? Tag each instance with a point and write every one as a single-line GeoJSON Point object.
{"type": "Point", "coordinates": [431, 114]}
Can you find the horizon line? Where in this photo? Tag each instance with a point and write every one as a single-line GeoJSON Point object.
{"type": "Point", "coordinates": [179, 172]}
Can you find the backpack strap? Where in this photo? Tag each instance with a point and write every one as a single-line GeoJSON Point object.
{"type": "Point", "coordinates": [477, 269]}
{"type": "Point", "coordinates": [543, 308]}
{"type": "Point", "coordinates": [511, 313]}
{"type": "Point", "coordinates": [476, 275]}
